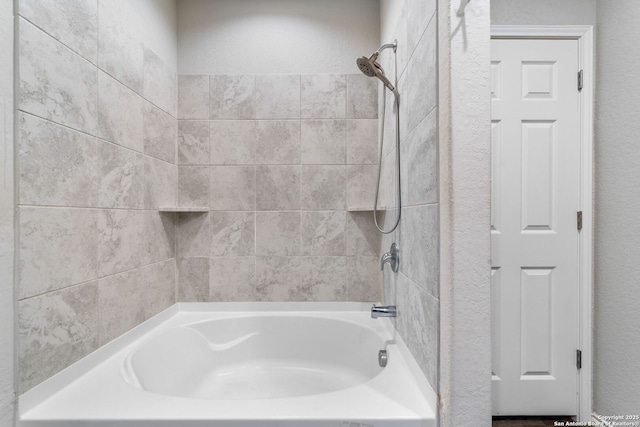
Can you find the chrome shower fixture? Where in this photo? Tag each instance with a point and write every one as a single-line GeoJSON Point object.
{"type": "Point", "coordinates": [371, 68]}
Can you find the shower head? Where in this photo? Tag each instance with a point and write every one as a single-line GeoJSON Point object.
{"type": "Point", "coordinates": [366, 65]}
{"type": "Point", "coordinates": [371, 68]}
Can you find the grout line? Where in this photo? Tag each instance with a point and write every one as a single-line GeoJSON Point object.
{"type": "Point", "coordinates": [96, 279]}
{"type": "Point", "coordinates": [60, 41]}
{"type": "Point", "coordinates": [97, 138]}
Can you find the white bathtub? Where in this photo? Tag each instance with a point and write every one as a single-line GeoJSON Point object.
{"type": "Point", "coordinates": [242, 365]}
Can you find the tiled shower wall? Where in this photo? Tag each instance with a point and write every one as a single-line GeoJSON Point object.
{"type": "Point", "coordinates": [278, 160]}
{"type": "Point", "coordinates": [96, 157]}
{"type": "Point", "coordinates": [415, 288]}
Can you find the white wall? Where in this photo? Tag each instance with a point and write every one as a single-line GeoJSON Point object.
{"type": "Point", "coordinates": [6, 215]}
{"type": "Point", "coordinates": [543, 12]}
{"type": "Point", "coordinates": [617, 203]}
{"type": "Point", "coordinates": [464, 156]}
{"type": "Point", "coordinates": [275, 37]}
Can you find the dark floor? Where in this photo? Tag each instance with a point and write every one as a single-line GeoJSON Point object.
{"type": "Point", "coordinates": [527, 421]}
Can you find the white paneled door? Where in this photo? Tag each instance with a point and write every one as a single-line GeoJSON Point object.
{"type": "Point", "coordinates": [534, 243]}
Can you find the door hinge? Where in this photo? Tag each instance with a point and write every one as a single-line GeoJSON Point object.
{"type": "Point", "coordinates": [579, 359]}
{"type": "Point", "coordinates": [579, 220]}
{"type": "Point", "coordinates": [580, 78]}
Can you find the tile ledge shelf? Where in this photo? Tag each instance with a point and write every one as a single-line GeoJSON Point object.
{"type": "Point", "coordinates": [184, 209]}
{"type": "Point", "coordinates": [365, 208]}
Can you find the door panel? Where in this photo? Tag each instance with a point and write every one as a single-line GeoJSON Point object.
{"type": "Point", "coordinates": [534, 191]}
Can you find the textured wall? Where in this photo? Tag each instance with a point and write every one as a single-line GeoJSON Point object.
{"type": "Point", "coordinates": [465, 158]}
{"type": "Point", "coordinates": [96, 156]}
{"type": "Point", "coordinates": [277, 159]}
{"type": "Point", "coordinates": [617, 203]}
{"type": "Point", "coordinates": [543, 12]}
{"type": "Point", "coordinates": [415, 288]}
{"type": "Point", "coordinates": [7, 394]}
{"type": "Point", "coordinates": [275, 37]}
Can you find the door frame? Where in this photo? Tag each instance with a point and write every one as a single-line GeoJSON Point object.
{"type": "Point", "coordinates": [584, 35]}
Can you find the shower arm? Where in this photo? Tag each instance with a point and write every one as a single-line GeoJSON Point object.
{"type": "Point", "coordinates": [393, 46]}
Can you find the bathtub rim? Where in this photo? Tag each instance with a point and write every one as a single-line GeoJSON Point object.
{"type": "Point", "coordinates": [39, 393]}
{"type": "Point", "coordinates": [42, 392]}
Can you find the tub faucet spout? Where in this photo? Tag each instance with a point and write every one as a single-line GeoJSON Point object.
{"type": "Point", "coordinates": [383, 311]}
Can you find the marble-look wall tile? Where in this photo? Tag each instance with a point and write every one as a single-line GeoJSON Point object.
{"type": "Point", "coordinates": [232, 233]}
{"type": "Point", "coordinates": [421, 12]}
{"type": "Point", "coordinates": [55, 82]}
{"type": "Point", "coordinates": [278, 142]}
{"type": "Point", "coordinates": [119, 113]}
{"type": "Point", "coordinates": [159, 183]}
{"type": "Point", "coordinates": [323, 187]}
{"type": "Point", "coordinates": [233, 142]}
{"type": "Point", "coordinates": [233, 188]}
{"type": "Point", "coordinates": [323, 142]}
{"type": "Point", "coordinates": [389, 218]}
{"type": "Point", "coordinates": [58, 166]}
{"type": "Point", "coordinates": [119, 53]}
{"type": "Point", "coordinates": [362, 97]}
{"type": "Point", "coordinates": [388, 191]}
{"type": "Point", "coordinates": [390, 119]}
{"type": "Point", "coordinates": [418, 153]}
{"type": "Point", "coordinates": [403, 50]}
{"type": "Point", "coordinates": [389, 292]}
{"type": "Point", "coordinates": [193, 235]}
{"type": "Point", "coordinates": [160, 83]}
{"type": "Point", "coordinates": [232, 97]}
{"type": "Point", "coordinates": [121, 304]}
{"type": "Point", "coordinates": [160, 237]}
{"type": "Point", "coordinates": [278, 233]}
{"type": "Point", "coordinates": [323, 96]}
{"type": "Point", "coordinates": [364, 279]}
{"type": "Point", "coordinates": [122, 241]}
{"type": "Point", "coordinates": [422, 67]}
{"type": "Point", "coordinates": [277, 187]}
{"type": "Point", "coordinates": [324, 233]}
{"type": "Point", "coordinates": [193, 279]}
{"type": "Point", "coordinates": [193, 97]}
{"type": "Point", "coordinates": [232, 279]}
{"type": "Point", "coordinates": [418, 325]}
{"type": "Point", "coordinates": [278, 97]}
{"type": "Point", "coordinates": [72, 22]}
{"type": "Point", "coordinates": [288, 174]}
{"type": "Point", "coordinates": [58, 248]}
{"type": "Point", "coordinates": [362, 142]}
{"type": "Point", "coordinates": [322, 279]}
{"type": "Point", "coordinates": [160, 286]}
{"type": "Point", "coordinates": [55, 330]}
{"type": "Point", "coordinates": [419, 243]}
{"type": "Point", "coordinates": [122, 173]}
{"type": "Point", "coordinates": [361, 185]}
{"type": "Point", "coordinates": [193, 186]}
{"type": "Point", "coordinates": [362, 236]}
{"type": "Point", "coordinates": [277, 278]}
{"type": "Point", "coordinates": [193, 142]}
{"type": "Point", "coordinates": [128, 299]}
{"type": "Point", "coordinates": [160, 132]}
